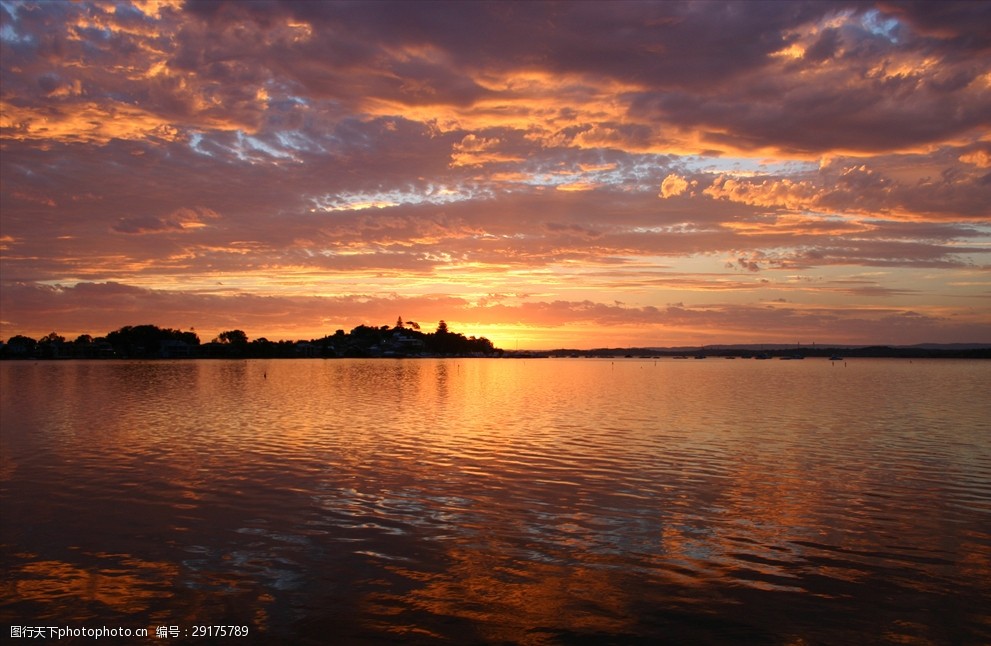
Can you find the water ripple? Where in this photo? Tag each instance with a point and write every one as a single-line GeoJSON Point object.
{"type": "Point", "coordinates": [516, 502]}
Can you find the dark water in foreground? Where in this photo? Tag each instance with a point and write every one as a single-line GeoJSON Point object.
{"type": "Point", "coordinates": [500, 501]}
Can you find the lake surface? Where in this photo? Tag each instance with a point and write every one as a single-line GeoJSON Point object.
{"type": "Point", "coordinates": [540, 501]}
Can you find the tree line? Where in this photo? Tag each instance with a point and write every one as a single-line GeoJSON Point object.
{"type": "Point", "coordinates": [404, 339]}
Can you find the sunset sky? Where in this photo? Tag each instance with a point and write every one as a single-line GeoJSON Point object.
{"type": "Point", "coordinates": [577, 174]}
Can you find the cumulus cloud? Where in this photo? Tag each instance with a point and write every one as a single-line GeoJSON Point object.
{"type": "Point", "coordinates": [980, 157]}
{"type": "Point", "coordinates": [673, 186]}
{"type": "Point", "coordinates": [784, 193]}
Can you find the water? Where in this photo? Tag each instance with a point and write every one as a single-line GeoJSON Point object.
{"type": "Point", "coordinates": [552, 501]}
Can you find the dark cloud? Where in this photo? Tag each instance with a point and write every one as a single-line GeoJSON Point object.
{"type": "Point", "coordinates": [957, 25]}
{"type": "Point", "coordinates": [825, 47]}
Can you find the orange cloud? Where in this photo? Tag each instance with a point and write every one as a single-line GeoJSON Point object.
{"type": "Point", "coordinates": [784, 193]}
{"type": "Point", "coordinates": [673, 186]}
{"type": "Point", "coordinates": [86, 123]}
{"type": "Point", "coordinates": [980, 158]}
{"type": "Point", "coordinates": [577, 186]}
{"type": "Point", "coordinates": [473, 150]}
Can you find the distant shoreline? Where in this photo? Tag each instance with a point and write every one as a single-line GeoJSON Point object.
{"type": "Point", "coordinates": [406, 340]}
{"type": "Point", "coordinates": [924, 351]}
{"type": "Point", "coordinates": [744, 353]}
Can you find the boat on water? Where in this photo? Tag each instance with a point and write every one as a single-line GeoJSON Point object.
{"type": "Point", "coordinates": [836, 357]}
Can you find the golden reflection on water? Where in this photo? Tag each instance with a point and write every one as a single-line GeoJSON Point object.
{"type": "Point", "coordinates": [517, 602]}
{"type": "Point", "coordinates": [125, 585]}
{"type": "Point", "coordinates": [503, 501]}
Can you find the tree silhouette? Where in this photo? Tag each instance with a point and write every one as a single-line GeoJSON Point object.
{"type": "Point", "coordinates": [233, 337]}
{"type": "Point", "coordinates": [20, 346]}
{"type": "Point", "coordinates": [150, 341]}
{"type": "Point", "coordinates": [146, 340]}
